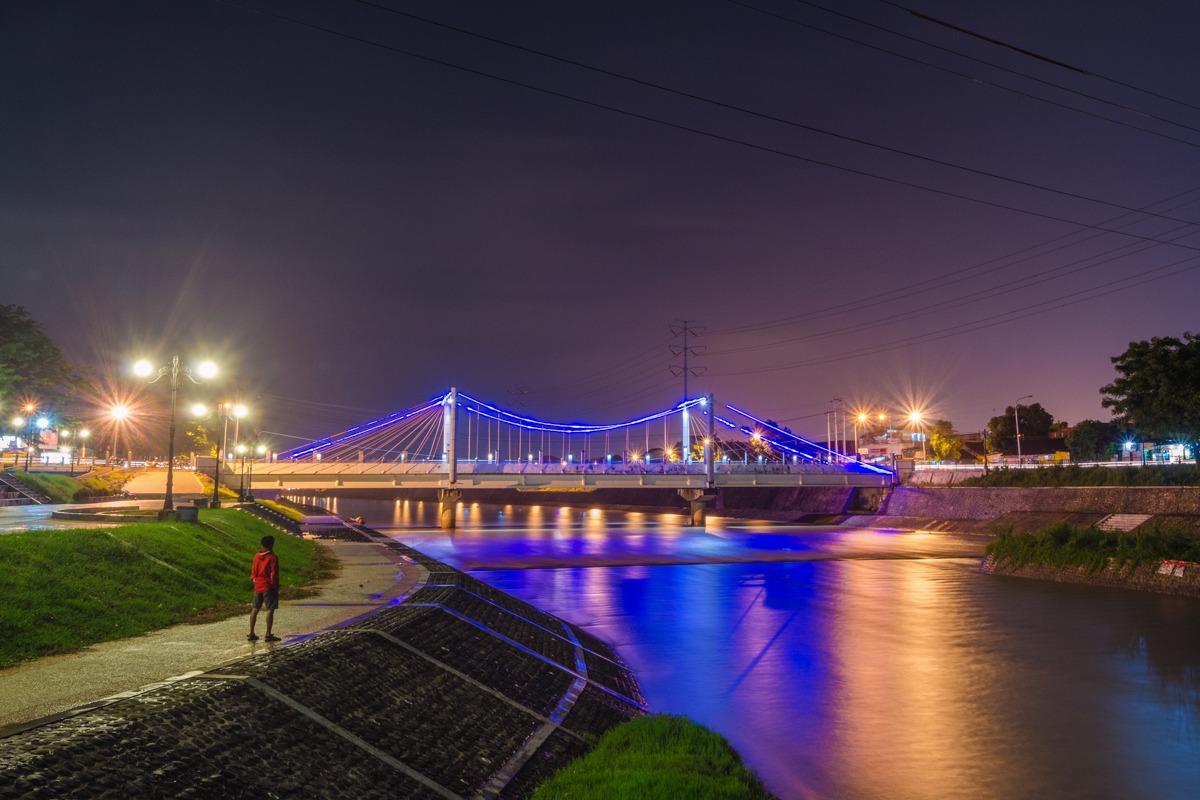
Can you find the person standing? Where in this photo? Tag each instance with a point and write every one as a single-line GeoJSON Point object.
{"type": "Point", "coordinates": [264, 571]}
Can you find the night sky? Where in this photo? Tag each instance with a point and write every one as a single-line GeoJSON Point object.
{"type": "Point", "coordinates": [356, 209]}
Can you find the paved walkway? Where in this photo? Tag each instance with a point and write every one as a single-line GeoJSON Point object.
{"type": "Point", "coordinates": [371, 576]}
{"type": "Point", "coordinates": [153, 483]}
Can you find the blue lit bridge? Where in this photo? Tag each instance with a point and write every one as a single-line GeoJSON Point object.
{"type": "Point", "coordinates": [455, 442]}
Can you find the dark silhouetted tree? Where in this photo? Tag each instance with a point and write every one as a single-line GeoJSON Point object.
{"type": "Point", "coordinates": [1002, 430]}
{"type": "Point", "coordinates": [1157, 391]}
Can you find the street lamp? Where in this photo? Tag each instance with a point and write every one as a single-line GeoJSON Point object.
{"type": "Point", "coordinates": [1017, 424]}
{"type": "Point", "coordinates": [143, 368]}
{"type": "Point", "coordinates": [79, 451]}
{"type": "Point", "coordinates": [42, 423]}
{"type": "Point", "coordinates": [224, 410]}
{"type": "Point", "coordinates": [915, 419]}
{"type": "Point", "coordinates": [260, 450]}
{"type": "Point", "coordinates": [241, 451]}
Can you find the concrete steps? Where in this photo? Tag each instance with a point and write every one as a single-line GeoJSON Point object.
{"type": "Point", "coordinates": [1121, 522]}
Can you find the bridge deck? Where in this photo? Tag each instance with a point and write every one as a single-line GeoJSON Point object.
{"type": "Point", "coordinates": [472, 475]}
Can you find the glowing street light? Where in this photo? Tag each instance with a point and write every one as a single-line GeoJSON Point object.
{"type": "Point", "coordinates": [144, 369]}
{"type": "Point", "coordinates": [226, 409]}
{"type": "Point", "coordinates": [915, 418]}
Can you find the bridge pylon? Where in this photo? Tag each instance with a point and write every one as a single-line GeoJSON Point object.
{"type": "Point", "coordinates": [448, 500]}
{"type": "Point", "coordinates": [698, 500]}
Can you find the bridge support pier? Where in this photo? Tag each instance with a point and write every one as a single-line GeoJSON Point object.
{"type": "Point", "coordinates": [698, 499]}
{"type": "Point", "coordinates": [448, 506]}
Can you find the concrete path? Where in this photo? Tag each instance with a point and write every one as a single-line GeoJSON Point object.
{"type": "Point", "coordinates": [153, 483]}
{"type": "Point", "coordinates": [371, 576]}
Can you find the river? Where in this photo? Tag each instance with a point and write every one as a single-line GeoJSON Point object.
{"type": "Point", "coordinates": [859, 663]}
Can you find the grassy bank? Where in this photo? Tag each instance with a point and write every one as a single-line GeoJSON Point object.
{"type": "Point", "coordinates": [67, 489]}
{"type": "Point", "coordinates": [659, 756]}
{"type": "Point", "coordinates": [65, 589]}
{"type": "Point", "coordinates": [1074, 475]}
{"type": "Point", "coordinates": [1063, 545]}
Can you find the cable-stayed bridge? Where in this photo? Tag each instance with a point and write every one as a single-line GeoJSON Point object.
{"type": "Point", "coordinates": [456, 442]}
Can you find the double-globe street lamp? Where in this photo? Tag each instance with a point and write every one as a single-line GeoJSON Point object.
{"type": "Point", "coordinates": [246, 487]}
{"type": "Point", "coordinates": [73, 450]}
{"type": "Point", "coordinates": [143, 368]}
{"type": "Point", "coordinates": [225, 410]}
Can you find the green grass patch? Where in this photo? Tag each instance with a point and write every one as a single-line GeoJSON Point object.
{"type": "Point", "coordinates": [224, 493]}
{"type": "Point", "coordinates": [1075, 475]}
{"type": "Point", "coordinates": [67, 489]}
{"type": "Point", "coordinates": [659, 756]}
{"type": "Point", "coordinates": [280, 508]}
{"type": "Point", "coordinates": [68, 588]}
{"type": "Point", "coordinates": [1063, 545]}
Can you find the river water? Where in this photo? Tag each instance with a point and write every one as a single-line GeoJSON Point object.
{"type": "Point", "coordinates": [859, 663]}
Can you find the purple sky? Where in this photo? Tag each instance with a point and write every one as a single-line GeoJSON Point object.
{"type": "Point", "coordinates": [351, 230]}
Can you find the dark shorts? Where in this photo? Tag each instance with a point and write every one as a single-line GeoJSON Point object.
{"type": "Point", "coordinates": [268, 599]}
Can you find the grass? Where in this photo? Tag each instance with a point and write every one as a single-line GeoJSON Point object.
{"type": "Point", "coordinates": [66, 489]}
{"type": "Point", "coordinates": [1063, 545]}
{"type": "Point", "coordinates": [1075, 475]}
{"type": "Point", "coordinates": [280, 508]}
{"type": "Point", "coordinates": [225, 493]}
{"type": "Point", "coordinates": [659, 756]}
{"type": "Point", "coordinates": [69, 588]}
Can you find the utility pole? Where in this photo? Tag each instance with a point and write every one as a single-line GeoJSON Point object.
{"type": "Point", "coordinates": [686, 328]}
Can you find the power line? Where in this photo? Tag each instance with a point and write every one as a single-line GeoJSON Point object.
{"type": "Point", "coordinates": [708, 134]}
{"type": "Point", "coordinates": [1038, 56]}
{"type": "Point", "coordinates": [1072, 298]}
{"type": "Point", "coordinates": [994, 65]}
{"type": "Point", "coordinates": [759, 114]}
{"type": "Point", "coordinates": [947, 278]}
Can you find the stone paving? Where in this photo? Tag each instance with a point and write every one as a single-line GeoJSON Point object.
{"type": "Point", "coordinates": [456, 691]}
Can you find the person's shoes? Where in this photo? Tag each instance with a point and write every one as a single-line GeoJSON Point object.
{"type": "Point", "coordinates": [253, 638]}
{"type": "Point", "coordinates": [272, 638]}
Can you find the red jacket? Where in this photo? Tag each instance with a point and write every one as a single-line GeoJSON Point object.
{"type": "Point", "coordinates": [264, 571]}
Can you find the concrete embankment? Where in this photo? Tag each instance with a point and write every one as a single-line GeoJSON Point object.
{"type": "Point", "coordinates": [1176, 578]}
{"type": "Point", "coordinates": [459, 690]}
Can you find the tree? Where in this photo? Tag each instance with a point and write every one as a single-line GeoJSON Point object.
{"type": "Point", "coordinates": [1002, 430]}
{"type": "Point", "coordinates": [944, 442]}
{"type": "Point", "coordinates": [1157, 390]}
{"type": "Point", "coordinates": [31, 365]}
{"type": "Point", "coordinates": [1092, 440]}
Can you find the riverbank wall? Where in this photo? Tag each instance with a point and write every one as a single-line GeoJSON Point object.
{"type": "Point", "coordinates": [458, 691]}
{"type": "Point", "coordinates": [1176, 578]}
{"type": "Point", "coordinates": [966, 509]}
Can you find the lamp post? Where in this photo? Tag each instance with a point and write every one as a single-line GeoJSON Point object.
{"type": "Point", "coordinates": [17, 424]}
{"type": "Point", "coordinates": [260, 450]}
{"type": "Point", "coordinates": [41, 424]}
{"type": "Point", "coordinates": [224, 409]}
{"type": "Point", "coordinates": [1017, 423]}
{"type": "Point", "coordinates": [118, 414]}
{"type": "Point", "coordinates": [915, 419]}
{"type": "Point", "coordinates": [143, 368]}
{"type": "Point", "coordinates": [241, 451]}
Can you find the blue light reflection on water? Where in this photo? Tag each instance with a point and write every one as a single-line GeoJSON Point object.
{"type": "Point", "coordinates": [859, 672]}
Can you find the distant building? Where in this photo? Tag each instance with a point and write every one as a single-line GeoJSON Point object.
{"type": "Point", "coordinates": [1034, 450]}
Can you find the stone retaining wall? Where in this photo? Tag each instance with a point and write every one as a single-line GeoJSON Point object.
{"type": "Point", "coordinates": [459, 691]}
{"type": "Point", "coordinates": [1145, 578]}
{"type": "Point", "coordinates": [978, 503]}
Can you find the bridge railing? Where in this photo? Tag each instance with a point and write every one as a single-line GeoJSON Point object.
{"type": "Point", "coordinates": [533, 468]}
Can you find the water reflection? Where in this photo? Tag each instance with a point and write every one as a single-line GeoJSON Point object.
{"type": "Point", "coordinates": [864, 664]}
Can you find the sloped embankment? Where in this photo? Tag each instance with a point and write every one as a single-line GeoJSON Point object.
{"type": "Point", "coordinates": [459, 691]}
{"type": "Point", "coordinates": [1167, 577]}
